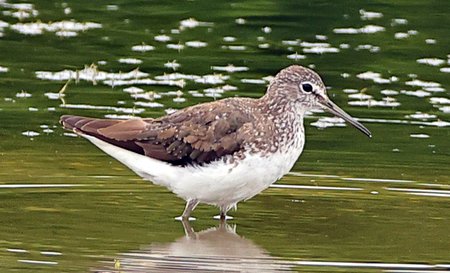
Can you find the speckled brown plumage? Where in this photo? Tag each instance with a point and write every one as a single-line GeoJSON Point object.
{"type": "Point", "coordinates": [210, 131]}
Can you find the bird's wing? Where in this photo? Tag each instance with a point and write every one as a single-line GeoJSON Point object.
{"type": "Point", "coordinates": [194, 135]}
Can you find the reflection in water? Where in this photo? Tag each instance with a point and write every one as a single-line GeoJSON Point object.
{"type": "Point", "coordinates": [217, 249]}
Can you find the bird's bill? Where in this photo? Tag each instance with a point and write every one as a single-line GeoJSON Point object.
{"type": "Point", "coordinates": [335, 110]}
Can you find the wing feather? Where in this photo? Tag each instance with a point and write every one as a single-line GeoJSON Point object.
{"type": "Point", "coordinates": [195, 135]}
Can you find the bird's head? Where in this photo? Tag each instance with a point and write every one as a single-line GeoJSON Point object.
{"type": "Point", "coordinates": [306, 88]}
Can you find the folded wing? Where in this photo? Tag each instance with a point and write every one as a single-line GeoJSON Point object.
{"type": "Point", "coordinates": [194, 135]}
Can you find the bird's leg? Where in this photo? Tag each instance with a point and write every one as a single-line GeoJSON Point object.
{"type": "Point", "coordinates": [188, 230]}
{"type": "Point", "coordinates": [223, 212]}
{"type": "Point", "coordinates": [190, 206]}
{"type": "Point", "coordinates": [223, 215]}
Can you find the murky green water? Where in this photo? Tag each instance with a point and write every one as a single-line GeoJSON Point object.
{"type": "Point", "coordinates": [350, 203]}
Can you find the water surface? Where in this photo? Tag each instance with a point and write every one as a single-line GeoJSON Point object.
{"type": "Point", "coordinates": [349, 204]}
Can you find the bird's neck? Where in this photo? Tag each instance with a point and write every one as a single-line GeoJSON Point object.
{"type": "Point", "coordinates": [279, 104]}
{"type": "Point", "coordinates": [286, 115]}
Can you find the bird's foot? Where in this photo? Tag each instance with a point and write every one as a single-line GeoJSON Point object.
{"type": "Point", "coordinates": [223, 217]}
{"type": "Point", "coordinates": [183, 218]}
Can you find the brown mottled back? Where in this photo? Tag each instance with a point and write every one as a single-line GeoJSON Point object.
{"type": "Point", "coordinates": [194, 135]}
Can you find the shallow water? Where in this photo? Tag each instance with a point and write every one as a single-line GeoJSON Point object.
{"type": "Point", "coordinates": [349, 204]}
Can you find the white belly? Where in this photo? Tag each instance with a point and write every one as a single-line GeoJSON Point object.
{"type": "Point", "coordinates": [216, 183]}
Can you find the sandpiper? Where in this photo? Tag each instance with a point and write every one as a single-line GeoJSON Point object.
{"type": "Point", "coordinates": [221, 152]}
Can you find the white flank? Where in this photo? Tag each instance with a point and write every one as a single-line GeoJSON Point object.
{"type": "Point", "coordinates": [217, 183]}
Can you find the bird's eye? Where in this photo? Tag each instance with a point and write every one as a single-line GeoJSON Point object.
{"type": "Point", "coordinates": [307, 87]}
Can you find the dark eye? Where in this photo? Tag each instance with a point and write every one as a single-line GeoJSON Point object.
{"type": "Point", "coordinates": [307, 87]}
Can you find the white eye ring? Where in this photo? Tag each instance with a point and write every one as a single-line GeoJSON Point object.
{"type": "Point", "coordinates": [307, 87]}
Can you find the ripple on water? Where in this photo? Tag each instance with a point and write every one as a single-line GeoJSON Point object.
{"type": "Point", "coordinates": [422, 192]}
{"type": "Point", "coordinates": [419, 136]}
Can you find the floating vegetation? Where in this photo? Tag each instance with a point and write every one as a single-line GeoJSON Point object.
{"type": "Point", "coordinates": [229, 39]}
{"type": "Point", "coordinates": [421, 116]}
{"type": "Point", "coordinates": [401, 35]}
{"type": "Point", "coordinates": [439, 100]}
{"type": "Point", "coordinates": [193, 23]}
{"type": "Point", "coordinates": [142, 48]}
{"type": "Point", "coordinates": [130, 61]}
{"type": "Point", "coordinates": [376, 77]}
{"type": "Point", "coordinates": [325, 122]}
{"type": "Point", "coordinates": [399, 21]}
{"type": "Point", "coordinates": [172, 64]}
{"type": "Point", "coordinates": [421, 83]}
{"type": "Point", "coordinates": [417, 93]}
{"type": "Point", "coordinates": [235, 47]}
{"type": "Point", "coordinates": [175, 46]}
{"type": "Point", "coordinates": [318, 48]}
{"type": "Point", "coordinates": [431, 61]}
{"type": "Point", "coordinates": [296, 56]}
{"type": "Point", "coordinates": [112, 7]}
{"type": "Point", "coordinates": [373, 103]}
{"type": "Point", "coordinates": [196, 44]}
{"type": "Point", "coordinates": [370, 48]}
{"type": "Point", "coordinates": [149, 104]}
{"type": "Point", "coordinates": [89, 73]}
{"type": "Point", "coordinates": [388, 92]}
{"type": "Point", "coordinates": [360, 96]}
{"type": "Point", "coordinates": [133, 90]}
{"type": "Point", "coordinates": [30, 133]}
{"type": "Point", "coordinates": [23, 94]}
{"type": "Point", "coordinates": [61, 28]}
{"type": "Point", "coordinates": [369, 29]}
{"type": "Point", "coordinates": [369, 15]}
{"type": "Point", "coordinates": [107, 108]}
{"type": "Point", "coordinates": [230, 68]}
{"type": "Point", "coordinates": [162, 38]}
{"type": "Point", "coordinates": [253, 81]}
{"type": "Point", "coordinates": [240, 21]}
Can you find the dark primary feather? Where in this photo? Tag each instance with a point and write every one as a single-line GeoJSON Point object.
{"type": "Point", "coordinates": [195, 135]}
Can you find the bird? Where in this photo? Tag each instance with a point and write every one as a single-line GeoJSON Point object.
{"type": "Point", "coordinates": [220, 152]}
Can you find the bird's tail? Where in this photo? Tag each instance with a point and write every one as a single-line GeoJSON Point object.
{"type": "Point", "coordinates": [85, 125]}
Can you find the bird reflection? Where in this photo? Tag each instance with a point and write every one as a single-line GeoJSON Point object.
{"type": "Point", "coordinates": [216, 249]}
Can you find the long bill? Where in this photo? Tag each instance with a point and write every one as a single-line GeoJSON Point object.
{"type": "Point", "coordinates": [335, 110]}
